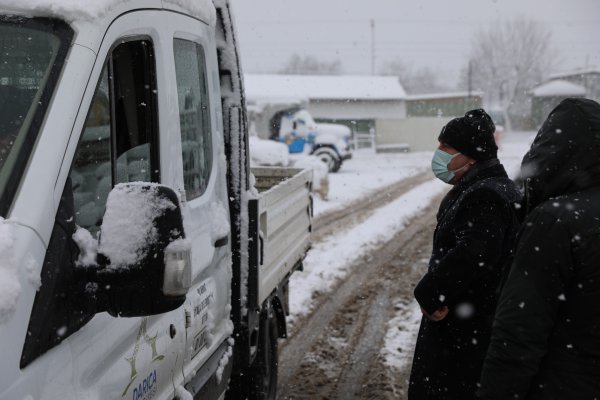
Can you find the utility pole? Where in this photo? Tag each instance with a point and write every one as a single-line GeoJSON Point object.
{"type": "Point", "coordinates": [372, 46]}
{"type": "Point", "coordinates": [470, 78]}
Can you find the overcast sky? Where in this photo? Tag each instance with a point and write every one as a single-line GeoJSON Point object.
{"type": "Point", "coordinates": [433, 33]}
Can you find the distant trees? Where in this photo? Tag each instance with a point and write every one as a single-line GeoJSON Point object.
{"type": "Point", "coordinates": [414, 80]}
{"type": "Point", "coordinates": [506, 61]}
{"type": "Point", "coordinates": [310, 65]}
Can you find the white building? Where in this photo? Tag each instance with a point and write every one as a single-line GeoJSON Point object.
{"type": "Point", "coordinates": [548, 95]}
{"type": "Point", "coordinates": [589, 78]}
{"type": "Point", "coordinates": [356, 100]}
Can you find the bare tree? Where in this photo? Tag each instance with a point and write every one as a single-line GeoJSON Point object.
{"type": "Point", "coordinates": [310, 65]}
{"type": "Point", "coordinates": [507, 60]}
{"type": "Point", "coordinates": [414, 80]}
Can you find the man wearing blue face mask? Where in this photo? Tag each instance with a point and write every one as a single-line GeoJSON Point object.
{"type": "Point", "coordinates": [476, 228]}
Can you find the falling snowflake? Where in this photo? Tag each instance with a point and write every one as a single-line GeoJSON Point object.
{"type": "Point", "coordinates": [465, 310]}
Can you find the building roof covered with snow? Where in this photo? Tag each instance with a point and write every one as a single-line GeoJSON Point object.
{"type": "Point", "coordinates": [324, 87]}
{"type": "Point", "coordinates": [575, 72]}
{"type": "Point", "coordinates": [443, 95]}
{"type": "Point", "coordinates": [558, 88]}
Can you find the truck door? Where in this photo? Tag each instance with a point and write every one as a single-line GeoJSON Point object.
{"type": "Point", "coordinates": [205, 210]}
{"type": "Point", "coordinates": [116, 139]}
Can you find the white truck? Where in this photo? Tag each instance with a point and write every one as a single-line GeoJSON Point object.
{"type": "Point", "coordinates": [287, 120]}
{"type": "Point", "coordinates": [140, 258]}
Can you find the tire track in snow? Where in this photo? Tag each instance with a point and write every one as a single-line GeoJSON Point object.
{"type": "Point", "coordinates": [311, 334]}
{"type": "Point", "coordinates": [357, 211]}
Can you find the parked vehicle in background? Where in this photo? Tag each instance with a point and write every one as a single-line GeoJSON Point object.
{"type": "Point", "coordinates": [140, 257]}
{"type": "Point", "coordinates": [271, 153]}
{"type": "Point", "coordinates": [288, 121]}
{"type": "Point", "coordinates": [328, 134]}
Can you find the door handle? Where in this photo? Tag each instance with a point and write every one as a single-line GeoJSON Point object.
{"type": "Point", "coordinates": [220, 242]}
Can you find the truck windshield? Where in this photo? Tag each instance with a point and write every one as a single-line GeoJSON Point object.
{"type": "Point", "coordinates": [32, 51]}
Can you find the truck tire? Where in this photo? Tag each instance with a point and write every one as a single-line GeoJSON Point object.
{"type": "Point", "coordinates": [263, 373]}
{"type": "Point", "coordinates": [329, 157]}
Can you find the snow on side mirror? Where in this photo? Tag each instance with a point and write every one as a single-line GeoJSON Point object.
{"type": "Point", "coordinates": [144, 252]}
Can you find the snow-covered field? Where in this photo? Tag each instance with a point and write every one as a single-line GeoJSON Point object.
{"type": "Point", "coordinates": [366, 173]}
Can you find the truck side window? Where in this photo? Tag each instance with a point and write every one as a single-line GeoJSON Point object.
{"type": "Point", "coordinates": [194, 116]}
{"type": "Point", "coordinates": [118, 140]}
{"type": "Point", "coordinates": [91, 170]}
{"type": "Point", "coordinates": [118, 144]}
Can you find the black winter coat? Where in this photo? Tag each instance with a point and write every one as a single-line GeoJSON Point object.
{"type": "Point", "coordinates": [546, 338]}
{"type": "Point", "coordinates": [477, 225]}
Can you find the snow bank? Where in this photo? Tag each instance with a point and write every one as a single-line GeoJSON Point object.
{"type": "Point", "coordinates": [128, 225]}
{"type": "Point", "coordinates": [10, 288]}
{"type": "Point", "coordinates": [400, 337]}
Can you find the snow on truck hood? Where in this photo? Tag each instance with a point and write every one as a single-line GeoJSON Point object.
{"type": "Point", "coordinates": [86, 11]}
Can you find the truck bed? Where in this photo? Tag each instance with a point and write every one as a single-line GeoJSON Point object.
{"type": "Point", "coordinates": [282, 220]}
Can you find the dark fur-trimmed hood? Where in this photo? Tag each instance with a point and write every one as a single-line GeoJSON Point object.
{"type": "Point", "coordinates": [565, 155]}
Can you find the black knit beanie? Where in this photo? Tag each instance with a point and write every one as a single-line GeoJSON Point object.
{"type": "Point", "coordinates": [472, 135]}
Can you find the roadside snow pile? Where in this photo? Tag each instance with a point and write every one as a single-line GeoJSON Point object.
{"type": "Point", "coordinates": [128, 226]}
{"type": "Point", "coordinates": [400, 337]}
{"type": "Point", "coordinates": [331, 259]}
{"type": "Point", "coordinates": [10, 288]}
{"type": "Point", "coordinates": [268, 152]}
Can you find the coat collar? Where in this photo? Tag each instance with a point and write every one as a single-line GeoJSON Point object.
{"type": "Point", "coordinates": [481, 170]}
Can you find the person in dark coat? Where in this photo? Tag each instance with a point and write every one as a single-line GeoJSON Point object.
{"type": "Point", "coordinates": [546, 337]}
{"type": "Point", "coordinates": [476, 228]}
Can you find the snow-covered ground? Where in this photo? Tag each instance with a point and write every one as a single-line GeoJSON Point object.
{"type": "Point", "coordinates": [366, 173]}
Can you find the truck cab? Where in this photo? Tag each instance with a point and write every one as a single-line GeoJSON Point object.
{"type": "Point", "coordinates": [135, 256]}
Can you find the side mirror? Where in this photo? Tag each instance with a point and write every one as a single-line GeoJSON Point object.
{"type": "Point", "coordinates": [145, 258]}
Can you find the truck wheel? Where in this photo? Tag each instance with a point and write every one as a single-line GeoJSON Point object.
{"type": "Point", "coordinates": [329, 157]}
{"type": "Point", "coordinates": [263, 374]}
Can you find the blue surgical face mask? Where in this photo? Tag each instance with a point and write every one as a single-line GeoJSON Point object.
{"type": "Point", "coordinates": [439, 165]}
